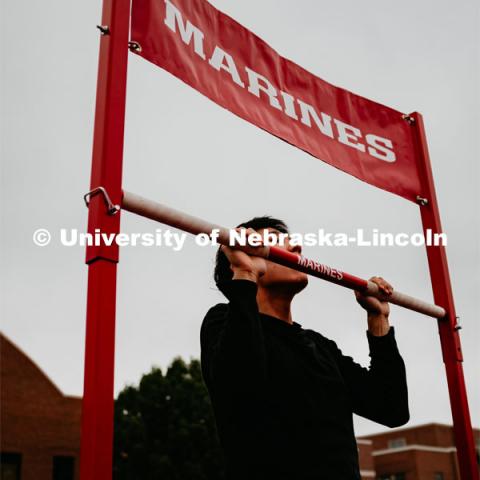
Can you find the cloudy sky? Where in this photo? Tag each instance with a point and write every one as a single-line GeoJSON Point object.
{"type": "Point", "coordinates": [182, 149]}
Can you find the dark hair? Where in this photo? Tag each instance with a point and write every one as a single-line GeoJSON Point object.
{"type": "Point", "coordinates": [222, 270]}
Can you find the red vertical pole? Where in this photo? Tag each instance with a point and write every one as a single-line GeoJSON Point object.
{"type": "Point", "coordinates": [97, 406]}
{"type": "Point", "coordinates": [448, 327]}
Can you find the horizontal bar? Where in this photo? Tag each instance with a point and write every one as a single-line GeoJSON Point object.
{"type": "Point", "coordinates": [188, 223]}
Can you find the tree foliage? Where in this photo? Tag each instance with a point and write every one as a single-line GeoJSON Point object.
{"type": "Point", "coordinates": [165, 429]}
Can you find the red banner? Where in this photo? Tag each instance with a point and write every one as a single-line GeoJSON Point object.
{"type": "Point", "coordinates": [233, 67]}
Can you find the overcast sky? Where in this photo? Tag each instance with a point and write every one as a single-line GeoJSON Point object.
{"type": "Point", "coordinates": [184, 150]}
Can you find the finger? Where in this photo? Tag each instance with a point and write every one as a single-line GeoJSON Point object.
{"type": "Point", "coordinates": [225, 249]}
{"type": "Point", "coordinates": [388, 285]}
{"type": "Point", "coordinates": [362, 298]}
{"type": "Point", "coordinates": [387, 288]}
{"type": "Point", "coordinates": [383, 285]}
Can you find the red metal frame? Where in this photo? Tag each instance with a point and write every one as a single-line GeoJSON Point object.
{"type": "Point", "coordinates": [448, 327]}
{"type": "Point", "coordinates": [97, 408]}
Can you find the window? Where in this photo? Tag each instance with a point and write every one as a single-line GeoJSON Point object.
{"type": "Point", "coordinates": [438, 476]}
{"type": "Point", "coordinates": [10, 465]}
{"type": "Point", "coordinates": [63, 468]}
{"type": "Point", "coordinates": [397, 443]}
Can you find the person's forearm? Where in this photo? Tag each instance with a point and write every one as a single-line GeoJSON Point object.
{"type": "Point", "coordinates": [237, 353]}
{"type": "Point", "coordinates": [389, 404]}
{"type": "Point", "coordinates": [378, 324]}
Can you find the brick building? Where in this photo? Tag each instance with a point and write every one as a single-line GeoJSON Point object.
{"type": "Point", "coordinates": [367, 466]}
{"type": "Point", "coordinates": [425, 452]}
{"type": "Point", "coordinates": [40, 427]}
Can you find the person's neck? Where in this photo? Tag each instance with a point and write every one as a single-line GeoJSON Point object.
{"type": "Point", "coordinates": [275, 304]}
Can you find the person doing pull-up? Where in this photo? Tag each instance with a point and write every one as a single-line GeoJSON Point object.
{"type": "Point", "coordinates": [284, 396]}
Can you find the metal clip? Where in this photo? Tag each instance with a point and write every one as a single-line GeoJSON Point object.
{"type": "Point", "coordinates": [135, 47]}
{"type": "Point", "coordinates": [111, 208]}
{"type": "Point", "coordinates": [104, 29]}
{"type": "Point", "coordinates": [409, 119]}
{"type": "Point", "coordinates": [422, 200]}
{"type": "Point", "coordinates": [457, 326]}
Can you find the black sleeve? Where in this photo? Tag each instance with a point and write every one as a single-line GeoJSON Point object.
{"type": "Point", "coordinates": [231, 337]}
{"type": "Point", "coordinates": [378, 393]}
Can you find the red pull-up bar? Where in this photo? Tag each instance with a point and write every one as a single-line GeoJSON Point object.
{"type": "Point", "coordinates": [177, 219]}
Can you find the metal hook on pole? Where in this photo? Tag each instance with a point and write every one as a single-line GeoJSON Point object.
{"type": "Point", "coordinates": [135, 47]}
{"type": "Point", "coordinates": [104, 29]}
{"type": "Point", "coordinates": [421, 200]}
{"type": "Point", "coordinates": [111, 208]}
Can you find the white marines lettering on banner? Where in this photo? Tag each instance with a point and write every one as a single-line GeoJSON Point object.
{"type": "Point", "coordinates": [296, 109]}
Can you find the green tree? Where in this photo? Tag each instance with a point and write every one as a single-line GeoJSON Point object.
{"type": "Point", "coordinates": [165, 429]}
